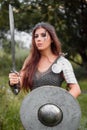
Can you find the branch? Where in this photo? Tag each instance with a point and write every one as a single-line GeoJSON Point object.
{"type": "Point", "coordinates": [76, 62]}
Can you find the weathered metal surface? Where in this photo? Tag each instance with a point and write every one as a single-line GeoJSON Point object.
{"type": "Point", "coordinates": [16, 87]}
{"type": "Point", "coordinates": [39, 108]}
{"type": "Point", "coordinates": [11, 23]}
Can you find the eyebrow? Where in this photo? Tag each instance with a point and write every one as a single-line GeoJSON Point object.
{"type": "Point", "coordinates": [41, 32]}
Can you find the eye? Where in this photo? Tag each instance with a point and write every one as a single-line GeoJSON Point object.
{"type": "Point", "coordinates": [43, 34]}
{"type": "Point", "coordinates": [36, 36]}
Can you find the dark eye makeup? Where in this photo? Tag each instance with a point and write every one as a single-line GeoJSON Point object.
{"type": "Point", "coordinates": [42, 35]}
{"type": "Point", "coordinates": [36, 36]}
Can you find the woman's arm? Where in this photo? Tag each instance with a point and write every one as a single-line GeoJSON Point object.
{"type": "Point", "coordinates": [75, 90]}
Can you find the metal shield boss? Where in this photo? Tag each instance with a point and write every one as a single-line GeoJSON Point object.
{"type": "Point", "coordinates": [50, 108]}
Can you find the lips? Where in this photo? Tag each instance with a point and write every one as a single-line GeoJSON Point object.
{"type": "Point", "coordinates": [39, 44]}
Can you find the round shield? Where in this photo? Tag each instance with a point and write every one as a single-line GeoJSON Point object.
{"type": "Point", "coordinates": [50, 108]}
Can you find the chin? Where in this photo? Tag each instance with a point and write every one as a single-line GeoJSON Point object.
{"type": "Point", "coordinates": [40, 49]}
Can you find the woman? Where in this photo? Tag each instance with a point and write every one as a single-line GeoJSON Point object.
{"type": "Point", "coordinates": [46, 64]}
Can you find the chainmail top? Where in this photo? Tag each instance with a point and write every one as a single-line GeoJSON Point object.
{"type": "Point", "coordinates": [61, 69]}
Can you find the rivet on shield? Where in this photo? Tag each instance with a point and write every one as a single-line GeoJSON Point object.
{"type": "Point", "coordinates": [50, 114]}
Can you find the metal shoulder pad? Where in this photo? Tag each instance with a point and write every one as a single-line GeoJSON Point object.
{"type": "Point", "coordinates": [65, 66]}
{"type": "Point", "coordinates": [68, 71]}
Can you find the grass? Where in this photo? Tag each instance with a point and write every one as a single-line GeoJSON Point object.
{"type": "Point", "coordinates": [9, 103]}
{"type": "Point", "coordinates": [10, 108]}
{"type": "Point", "coordinates": [83, 101]}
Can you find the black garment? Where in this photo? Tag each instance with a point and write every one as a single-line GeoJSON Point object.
{"type": "Point", "coordinates": [47, 78]}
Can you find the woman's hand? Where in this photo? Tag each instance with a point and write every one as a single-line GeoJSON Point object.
{"type": "Point", "coordinates": [14, 82]}
{"type": "Point", "coordinates": [14, 78]}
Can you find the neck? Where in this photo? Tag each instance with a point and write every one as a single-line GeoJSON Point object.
{"type": "Point", "coordinates": [46, 52]}
{"type": "Point", "coordinates": [48, 55]}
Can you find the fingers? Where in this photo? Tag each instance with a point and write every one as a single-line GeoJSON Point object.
{"type": "Point", "coordinates": [14, 78]}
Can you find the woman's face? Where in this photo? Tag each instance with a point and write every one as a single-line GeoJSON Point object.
{"type": "Point", "coordinates": [42, 39]}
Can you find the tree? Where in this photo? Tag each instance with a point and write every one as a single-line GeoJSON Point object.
{"type": "Point", "coordinates": [68, 17]}
{"type": "Point", "coordinates": [76, 20]}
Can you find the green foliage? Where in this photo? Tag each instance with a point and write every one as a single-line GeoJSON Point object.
{"type": "Point", "coordinates": [6, 60]}
{"type": "Point", "coordinates": [9, 110]}
{"type": "Point", "coordinates": [6, 46]}
{"type": "Point", "coordinates": [83, 100]}
{"type": "Point", "coordinates": [68, 17]}
{"type": "Point", "coordinates": [5, 63]}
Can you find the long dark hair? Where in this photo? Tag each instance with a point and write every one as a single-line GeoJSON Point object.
{"type": "Point", "coordinates": [31, 65]}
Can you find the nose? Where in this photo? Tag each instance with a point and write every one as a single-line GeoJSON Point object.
{"type": "Point", "coordinates": [38, 38]}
